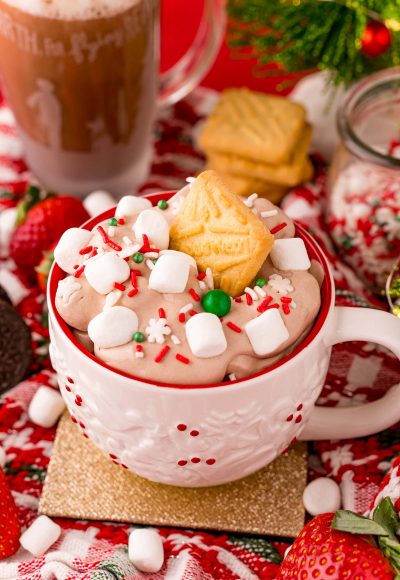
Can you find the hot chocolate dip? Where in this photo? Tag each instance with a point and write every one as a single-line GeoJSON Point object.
{"type": "Point", "coordinates": [145, 307]}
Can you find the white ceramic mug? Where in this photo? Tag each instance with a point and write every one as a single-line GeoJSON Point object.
{"type": "Point", "coordinates": [206, 435]}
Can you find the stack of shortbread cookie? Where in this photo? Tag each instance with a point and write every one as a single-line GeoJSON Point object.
{"type": "Point", "coordinates": [258, 143]}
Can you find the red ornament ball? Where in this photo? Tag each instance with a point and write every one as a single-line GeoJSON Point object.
{"type": "Point", "coordinates": [376, 39]}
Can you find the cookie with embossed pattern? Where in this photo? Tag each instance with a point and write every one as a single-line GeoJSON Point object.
{"type": "Point", "coordinates": [255, 126]}
{"type": "Point", "coordinates": [220, 232]}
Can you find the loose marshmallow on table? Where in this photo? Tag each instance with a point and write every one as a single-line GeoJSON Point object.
{"type": "Point", "coordinates": [98, 202]}
{"type": "Point", "coordinates": [290, 254]}
{"type": "Point", "coordinates": [170, 274]}
{"type": "Point", "coordinates": [7, 225]}
{"type": "Point", "coordinates": [2, 457]}
{"type": "Point", "coordinates": [155, 226]}
{"type": "Point", "coordinates": [266, 332]}
{"type": "Point", "coordinates": [40, 535]}
{"type": "Point", "coordinates": [205, 335]}
{"type": "Point", "coordinates": [322, 495]}
{"type": "Point", "coordinates": [13, 286]}
{"type": "Point", "coordinates": [104, 271]}
{"type": "Point", "coordinates": [113, 327]}
{"type": "Point", "coordinates": [146, 550]}
{"type": "Point", "coordinates": [66, 253]}
{"type": "Point", "coordinates": [46, 407]}
{"type": "Point", "coordinates": [130, 205]}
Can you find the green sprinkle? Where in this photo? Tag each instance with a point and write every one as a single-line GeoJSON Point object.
{"type": "Point", "coordinates": [260, 282]}
{"type": "Point", "coordinates": [138, 257]}
{"type": "Point", "coordinates": [112, 222]}
{"type": "Point", "coordinates": [138, 337]}
{"type": "Point", "coordinates": [162, 204]}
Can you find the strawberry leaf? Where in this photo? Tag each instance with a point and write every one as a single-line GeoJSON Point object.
{"type": "Point", "coordinates": [347, 521]}
{"type": "Point", "coordinates": [391, 550]}
{"type": "Point", "coordinates": [386, 516]}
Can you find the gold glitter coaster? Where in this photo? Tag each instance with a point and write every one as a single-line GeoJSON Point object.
{"type": "Point", "coordinates": [83, 483]}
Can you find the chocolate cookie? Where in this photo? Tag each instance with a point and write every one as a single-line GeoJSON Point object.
{"type": "Point", "coordinates": [4, 296]}
{"type": "Point", "coordinates": [15, 347]}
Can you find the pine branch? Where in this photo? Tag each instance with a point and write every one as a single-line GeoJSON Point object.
{"type": "Point", "coordinates": [314, 34]}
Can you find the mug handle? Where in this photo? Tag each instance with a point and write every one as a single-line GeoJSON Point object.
{"type": "Point", "coordinates": [183, 77]}
{"type": "Point", "coordinates": [359, 421]}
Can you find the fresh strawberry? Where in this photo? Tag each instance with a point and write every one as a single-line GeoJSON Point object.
{"type": "Point", "coordinates": [42, 222]}
{"type": "Point", "coordinates": [43, 270]}
{"type": "Point", "coordinates": [10, 528]}
{"type": "Point", "coordinates": [346, 545]}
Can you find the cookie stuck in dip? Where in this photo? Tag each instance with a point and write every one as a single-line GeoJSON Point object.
{"type": "Point", "coordinates": [201, 288]}
{"type": "Point", "coordinates": [15, 347]}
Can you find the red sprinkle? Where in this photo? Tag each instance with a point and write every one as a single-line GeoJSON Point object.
{"type": "Point", "coordinates": [93, 252]}
{"type": "Point", "coordinates": [182, 359]}
{"type": "Point", "coordinates": [193, 312]}
{"type": "Point", "coordinates": [201, 276]}
{"type": "Point", "coordinates": [79, 272]}
{"type": "Point", "coordinates": [182, 317]}
{"type": "Point", "coordinates": [272, 306]}
{"type": "Point", "coordinates": [132, 292]}
{"type": "Point", "coordinates": [194, 295]}
{"type": "Point", "coordinates": [121, 221]}
{"type": "Point", "coordinates": [146, 245]}
{"type": "Point", "coordinates": [286, 299]}
{"type": "Point", "coordinates": [233, 327]}
{"type": "Point", "coordinates": [107, 240]}
{"type": "Point", "coordinates": [264, 304]}
{"type": "Point", "coordinates": [139, 348]}
{"type": "Point", "coordinates": [119, 286]}
{"type": "Point", "coordinates": [249, 299]}
{"type": "Point", "coordinates": [286, 308]}
{"type": "Point", "coordinates": [238, 299]}
{"type": "Point", "coordinates": [133, 278]}
{"type": "Point", "coordinates": [161, 313]}
{"type": "Point", "coordinates": [75, 267]}
{"type": "Point", "coordinates": [86, 250]}
{"type": "Point", "coordinates": [278, 228]}
{"type": "Point", "coordinates": [161, 354]}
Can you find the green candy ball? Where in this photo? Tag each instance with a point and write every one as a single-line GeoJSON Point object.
{"type": "Point", "coordinates": [163, 204]}
{"type": "Point", "coordinates": [260, 282]}
{"type": "Point", "coordinates": [217, 302]}
{"type": "Point", "coordinates": [138, 337]}
{"type": "Point", "coordinates": [138, 258]}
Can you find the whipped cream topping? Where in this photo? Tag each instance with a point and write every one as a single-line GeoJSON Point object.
{"type": "Point", "coordinates": [172, 339]}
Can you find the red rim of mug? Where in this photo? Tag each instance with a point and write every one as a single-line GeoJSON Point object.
{"type": "Point", "coordinates": [314, 251]}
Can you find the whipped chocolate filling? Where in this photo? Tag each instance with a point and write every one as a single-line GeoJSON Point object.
{"type": "Point", "coordinates": [162, 316]}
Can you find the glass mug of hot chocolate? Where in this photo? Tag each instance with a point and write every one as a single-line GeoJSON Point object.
{"type": "Point", "coordinates": [82, 79]}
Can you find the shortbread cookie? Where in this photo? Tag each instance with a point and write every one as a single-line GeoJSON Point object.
{"type": "Point", "coordinates": [221, 233]}
{"type": "Point", "coordinates": [254, 126]}
{"type": "Point", "coordinates": [289, 174]}
{"type": "Point", "coordinates": [241, 185]}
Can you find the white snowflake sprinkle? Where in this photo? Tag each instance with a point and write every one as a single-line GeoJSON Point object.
{"type": "Point", "coordinates": [261, 293]}
{"type": "Point", "coordinates": [209, 279]}
{"type": "Point", "coordinates": [151, 255]}
{"type": "Point", "coordinates": [232, 377]}
{"type": "Point", "coordinates": [175, 339]}
{"type": "Point", "coordinates": [149, 264]}
{"type": "Point", "coordinates": [139, 354]}
{"type": "Point", "coordinates": [186, 308]}
{"type": "Point", "coordinates": [157, 330]}
{"type": "Point", "coordinates": [68, 287]}
{"type": "Point", "coordinates": [202, 285]}
{"type": "Point", "coordinates": [279, 284]}
{"type": "Point", "coordinates": [111, 231]}
{"type": "Point", "coordinates": [127, 241]}
{"type": "Point", "coordinates": [128, 251]}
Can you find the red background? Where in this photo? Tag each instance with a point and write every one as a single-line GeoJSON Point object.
{"type": "Point", "coordinates": [179, 21]}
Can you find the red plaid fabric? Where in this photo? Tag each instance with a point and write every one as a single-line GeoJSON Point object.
{"type": "Point", "coordinates": [358, 372]}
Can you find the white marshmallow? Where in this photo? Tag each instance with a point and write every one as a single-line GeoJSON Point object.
{"type": "Point", "coordinates": [46, 407]}
{"type": "Point", "coordinates": [13, 286]}
{"type": "Point", "coordinates": [322, 495]}
{"type": "Point", "coordinates": [190, 259]}
{"type": "Point", "coordinates": [113, 327]}
{"type": "Point", "coordinates": [170, 274]}
{"type": "Point", "coordinates": [98, 202]}
{"type": "Point", "coordinates": [266, 332]}
{"type": "Point", "coordinates": [40, 535]}
{"type": "Point", "coordinates": [7, 225]}
{"type": "Point", "coordinates": [130, 205]}
{"type": "Point", "coordinates": [155, 226]}
{"type": "Point", "coordinates": [2, 457]}
{"type": "Point", "coordinates": [205, 335]}
{"type": "Point", "coordinates": [146, 550]}
{"type": "Point", "coordinates": [66, 253]}
{"type": "Point", "coordinates": [104, 271]}
{"type": "Point", "coordinates": [290, 254]}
